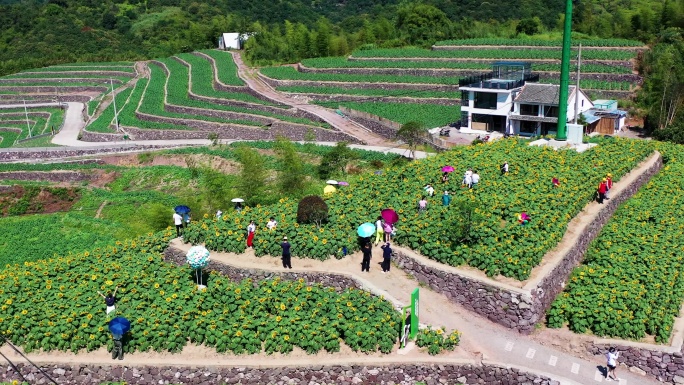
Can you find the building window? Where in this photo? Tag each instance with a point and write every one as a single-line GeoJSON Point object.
{"type": "Point", "coordinates": [485, 100]}
{"type": "Point", "coordinates": [529, 109]}
{"type": "Point", "coordinates": [551, 112]}
{"type": "Point", "coordinates": [528, 127]}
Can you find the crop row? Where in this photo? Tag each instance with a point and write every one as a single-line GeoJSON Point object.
{"type": "Point", "coordinates": [379, 92]}
{"type": "Point", "coordinates": [178, 93]}
{"type": "Point", "coordinates": [289, 73]}
{"type": "Point", "coordinates": [342, 62]}
{"type": "Point", "coordinates": [40, 124]}
{"type": "Point", "coordinates": [203, 81]}
{"type": "Point", "coordinates": [103, 122]}
{"type": "Point", "coordinates": [98, 64]}
{"type": "Point", "coordinates": [62, 68]}
{"type": "Point", "coordinates": [630, 283]}
{"type": "Point", "coordinates": [430, 115]}
{"type": "Point", "coordinates": [496, 242]}
{"type": "Point", "coordinates": [493, 54]}
{"type": "Point", "coordinates": [226, 69]}
{"type": "Point", "coordinates": [168, 311]}
{"type": "Point", "coordinates": [542, 43]}
{"type": "Point", "coordinates": [591, 84]}
{"type": "Point", "coordinates": [49, 75]}
{"type": "Point", "coordinates": [128, 117]}
{"type": "Point", "coordinates": [8, 135]}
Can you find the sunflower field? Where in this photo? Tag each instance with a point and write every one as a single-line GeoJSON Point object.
{"type": "Point", "coordinates": [630, 283]}
{"type": "Point", "coordinates": [53, 305]}
{"type": "Point", "coordinates": [501, 245]}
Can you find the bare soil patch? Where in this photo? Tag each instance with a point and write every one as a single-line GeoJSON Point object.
{"type": "Point", "coordinates": [37, 200]}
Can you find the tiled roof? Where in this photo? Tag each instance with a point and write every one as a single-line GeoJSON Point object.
{"type": "Point", "coordinates": [529, 118]}
{"type": "Point", "coordinates": [537, 93]}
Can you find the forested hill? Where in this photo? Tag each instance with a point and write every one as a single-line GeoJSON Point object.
{"type": "Point", "coordinates": [37, 32]}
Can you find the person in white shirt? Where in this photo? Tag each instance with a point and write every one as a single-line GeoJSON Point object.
{"type": "Point", "coordinates": [611, 358]}
{"type": "Point", "coordinates": [251, 230]}
{"type": "Point", "coordinates": [504, 168]}
{"type": "Point", "coordinates": [475, 179]}
{"type": "Point", "coordinates": [271, 224]}
{"type": "Point", "coordinates": [218, 214]}
{"type": "Point", "coordinates": [178, 221]}
{"type": "Point", "coordinates": [429, 190]}
{"type": "Point", "coordinates": [468, 180]}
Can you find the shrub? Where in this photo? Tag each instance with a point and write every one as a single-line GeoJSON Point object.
{"type": "Point", "coordinates": [312, 209]}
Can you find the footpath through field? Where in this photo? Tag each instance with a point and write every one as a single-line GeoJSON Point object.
{"type": "Point", "coordinates": [341, 123]}
{"type": "Point", "coordinates": [481, 339]}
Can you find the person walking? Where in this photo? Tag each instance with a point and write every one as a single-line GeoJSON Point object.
{"type": "Point", "coordinates": [387, 230]}
{"type": "Point", "coordinates": [422, 205]}
{"type": "Point", "coordinates": [609, 184]}
{"type": "Point", "coordinates": [386, 257]}
{"type": "Point", "coordinates": [445, 178]}
{"type": "Point", "coordinates": [251, 230]}
{"type": "Point", "coordinates": [379, 230]}
{"type": "Point", "coordinates": [446, 198]}
{"type": "Point", "coordinates": [117, 350]}
{"type": "Point", "coordinates": [602, 188]}
{"type": "Point", "coordinates": [218, 214]}
{"type": "Point", "coordinates": [429, 190]}
{"type": "Point", "coordinates": [504, 168]}
{"type": "Point", "coordinates": [238, 206]}
{"type": "Point", "coordinates": [611, 362]}
{"type": "Point", "coordinates": [178, 221]}
{"type": "Point", "coordinates": [555, 182]}
{"type": "Point", "coordinates": [475, 179]}
{"type": "Point", "coordinates": [367, 253]}
{"type": "Point", "coordinates": [285, 245]}
{"type": "Point", "coordinates": [110, 300]}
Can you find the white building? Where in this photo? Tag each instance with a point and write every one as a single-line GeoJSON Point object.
{"type": "Point", "coordinates": [535, 108]}
{"type": "Point", "coordinates": [232, 40]}
{"type": "Point", "coordinates": [509, 100]}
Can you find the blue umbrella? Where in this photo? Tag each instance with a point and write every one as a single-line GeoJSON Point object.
{"type": "Point", "coordinates": [119, 325]}
{"type": "Point", "coordinates": [366, 230]}
{"type": "Point", "coordinates": [181, 209]}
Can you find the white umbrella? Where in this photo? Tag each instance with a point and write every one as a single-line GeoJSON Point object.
{"type": "Point", "coordinates": [331, 182]}
{"type": "Point", "coordinates": [237, 200]}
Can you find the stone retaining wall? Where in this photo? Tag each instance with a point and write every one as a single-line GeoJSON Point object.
{"type": "Point", "coordinates": [407, 374]}
{"type": "Point", "coordinates": [625, 63]}
{"type": "Point", "coordinates": [57, 80]}
{"type": "Point", "coordinates": [382, 99]}
{"type": "Point", "coordinates": [44, 89]}
{"type": "Point", "coordinates": [19, 100]}
{"type": "Point", "coordinates": [519, 310]}
{"type": "Point", "coordinates": [237, 274]}
{"type": "Point", "coordinates": [62, 176]}
{"type": "Point", "coordinates": [436, 72]}
{"type": "Point", "coordinates": [68, 152]}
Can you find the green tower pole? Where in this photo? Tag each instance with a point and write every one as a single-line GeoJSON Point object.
{"type": "Point", "coordinates": [561, 131]}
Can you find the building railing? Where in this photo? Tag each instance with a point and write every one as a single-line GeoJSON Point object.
{"type": "Point", "coordinates": [486, 81]}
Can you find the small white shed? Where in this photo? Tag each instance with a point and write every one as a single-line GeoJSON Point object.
{"type": "Point", "coordinates": [232, 40]}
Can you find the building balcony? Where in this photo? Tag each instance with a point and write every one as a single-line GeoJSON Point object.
{"type": "Point", "coordinates": [489, 82]}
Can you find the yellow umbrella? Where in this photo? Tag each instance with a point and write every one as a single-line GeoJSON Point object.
{"type": "Point", "coordinates": [329, 189]}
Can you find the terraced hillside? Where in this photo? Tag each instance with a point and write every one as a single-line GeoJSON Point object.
{"type": "Point", "coordinates": [196, 94]}
{"type": "Point", "coordinates": [31, 127]}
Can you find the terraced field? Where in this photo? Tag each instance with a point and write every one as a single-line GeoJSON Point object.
{"type": "Point", "coordinates": [14, 125]}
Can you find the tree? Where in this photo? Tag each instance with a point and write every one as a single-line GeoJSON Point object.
{"type": "Point", "coordinates": [423, 24]}
{"type": "Point", "coordinates": [252, 179]}
{"type": "Point", "coordinates": [463, 219]}
{"type": "Point", "coordinates": [312, 209]}
{"type": "Point", "coordinates": [412, 133]}
{"type": "Point", "coordinates": [291, 178]}
{"type": "Point", "coordinates": [528, 26]}
{"type": "Point", "coordinates": [215, 188]}
{"type": "Point", "coordinates": [335, 162]}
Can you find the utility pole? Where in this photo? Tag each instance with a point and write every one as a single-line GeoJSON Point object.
{"type": "Point", "coordinates": [577, 89]}
{"type": "Point", "coordinates": [561, 131]}
{"type": "Point", "coordinates": [28, 126]}
{"type": "Point", "coordinates": [116, 114]}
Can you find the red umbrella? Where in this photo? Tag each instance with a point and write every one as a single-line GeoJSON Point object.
{"type": "Point", "coordinates": [390, 216]}
{"type": "Point", "coordinates": [448, 169]}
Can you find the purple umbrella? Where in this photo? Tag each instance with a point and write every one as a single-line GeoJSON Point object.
{"type": "Point", "coordinates": [343, 183]}
{"type": "Point", "coordinates": [448, 169]}
{"type": "Point", "coordinates": [390, 216]}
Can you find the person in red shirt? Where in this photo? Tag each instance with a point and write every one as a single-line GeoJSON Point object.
{"type": "Point", "coordinates": [609, 184]}
{"type": "Point", "coordinates": [602, 188]}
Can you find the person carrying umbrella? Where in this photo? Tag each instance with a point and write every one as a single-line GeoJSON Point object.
{"type": "Point", "coordinates": [365, 263]}
{"type": "Point", "coordinates": [251, 230]}
{"type": "Point", "coordinates": [387, 230]}
{"type": "Point", "coordinates": [445, 178]}
{"type": "Point", "coordinates": [285, 245]}
{"type": "Point", "coordinates": [118, 327]}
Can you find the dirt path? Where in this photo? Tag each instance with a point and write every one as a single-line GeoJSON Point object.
{"type": "Point", "coordinates": [341, 123]}
{"type": "Point", "coordinates": [99, 209]}
{"type": "Point", "coordinates": [482, 340]}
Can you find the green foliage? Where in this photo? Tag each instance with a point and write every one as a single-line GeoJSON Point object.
{"type": "Point", "coordinates": [412, 133]}
{"type": "Point", "coordinates": [271, 316]}
{"type": "Point", "coordinates": [252, 181]}
{"type": "Point", "coordinates": [464, 218]}
{"type": "Point", "coordinates": [290, 73]}
{"type": "Point", "coordinates": [225, 67]}
{"type": "Point", "coordinates": [484, 53]}
{"type": "Point", "coordinates": [629, 284]}
{"type": "Point", "coordinates": [422, 24]}
{"type": "Point", "coordinates": [429, 115]}
{"type": "Point", "coordinates": [312, 209]}
{"type": "Point", "coordinates": [291, 179]}
{"type": "Point", "coordinates": [543, 42]}
{"type": "Point", "coordinates": [437, 341]}
{"type": "Point", "coordinates": [106, 118]}
{"type": "Point", "coordinates": [334, 162]}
